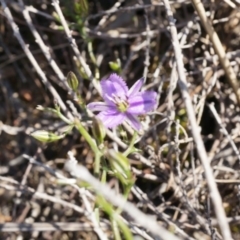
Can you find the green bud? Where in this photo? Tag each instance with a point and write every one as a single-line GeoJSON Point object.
{"type": "Point", "coordinates": [82, 72]}
{"type": "Point", "coordinates": [80, 69]}
{"type": "Point", "coordinates": [72, 81]}
{"type": "Point", "coordinates": [56, 17]}
{"type": "Point", "coordinates": [81, 7]}
{"type": "Point", "coordinates": [115, 66]}
{"type": "Point", "coordinates": [46, 137]}
{"type": "Point", "coordinates": [99, 131]}
{"type": "Point", "coordinates": [119, 163]}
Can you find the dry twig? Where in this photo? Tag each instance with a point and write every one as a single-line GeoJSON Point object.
{"type": "Point", "coordinates": [33, 60]}
{"type": "Point", "coordinates": [231, 76]}
{"type": "Point", "coordinates": [182, 82]}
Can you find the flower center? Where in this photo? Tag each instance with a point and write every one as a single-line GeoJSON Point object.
{"type": "Point", "coordinates": [121, 104]}
{"type": "Point", "coordinates": [122, 107]}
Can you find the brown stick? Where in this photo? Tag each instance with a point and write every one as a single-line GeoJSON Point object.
{"type": "Point", "coordinates": [217, 45]}
{"type": "Point", "coordinates": [182, 83]}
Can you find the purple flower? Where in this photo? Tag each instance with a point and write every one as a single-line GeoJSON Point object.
{"type": "Point", "coordinates": [123, 104]}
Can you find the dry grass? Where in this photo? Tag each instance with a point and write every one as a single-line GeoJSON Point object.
{"type": "Point", "coordinates": [170, 179]}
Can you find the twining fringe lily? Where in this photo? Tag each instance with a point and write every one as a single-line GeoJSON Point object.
{"type": "Point", "coordinates": [123, 104]}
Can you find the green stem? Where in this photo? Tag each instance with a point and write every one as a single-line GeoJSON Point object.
{"type": "Point", "coordinates": [97, 165]}
{"type": "Point", "coordinates": [92, 144]}
{"type": "Point", "coordinates": [104, 176]}
{"type": "Point", "coordinates": [87, 137]}
{"type": "Point", "coordinates": [130, 147]}
{"type": "Point", "coordinates": [91, 54]}
{"type": "Point", "coordinates": [59, 114]}
{"type": "Point", "coordinates": [126, 192]}
{"type": "Point", "coordinates": [125, 229]}
{"type": "Point", "coordinates": [115, 228]}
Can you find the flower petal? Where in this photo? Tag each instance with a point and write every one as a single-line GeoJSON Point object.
{"type": "Point", "coordinates": [114, 86]}
{"type": "Point", "coordinates": [111, 119]}
{"type": "Point", "coordinates": [134, 122]}
{"type": "Point", "coordinates": [142, 103]}
{"type": "Point", "coordinates": [98, 106]}
{"type": "Point", "coordinates": [136, 87]}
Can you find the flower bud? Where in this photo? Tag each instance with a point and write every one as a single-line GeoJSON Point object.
{"type": "Point", "coordinates": [115, 66]}
{"type": "Point", "coordinates": [72, 81]}
{"type": "Point", "coordinates": [45, 136]}
{"type": "Point", "coordinates": [99, 131]}
{"type": "Point", "coordinates": [80, 68]}
{"type": "Point", "coordinates": [119, 163]}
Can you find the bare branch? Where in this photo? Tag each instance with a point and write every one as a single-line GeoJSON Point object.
{"type": "Point", "coordinates": [33, 60]}
{"type": "Point", "coordinates": [182, 82]}
{"type": "Point", "coordinates": [74, 46]}
{"type": "Point", "coordinates": [231, 76]}
{"type": "Point", "coordinates": [41, 44]}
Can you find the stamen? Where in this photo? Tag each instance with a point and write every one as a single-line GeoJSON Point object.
{"type": "Point", "coordinates": [121, 104]}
